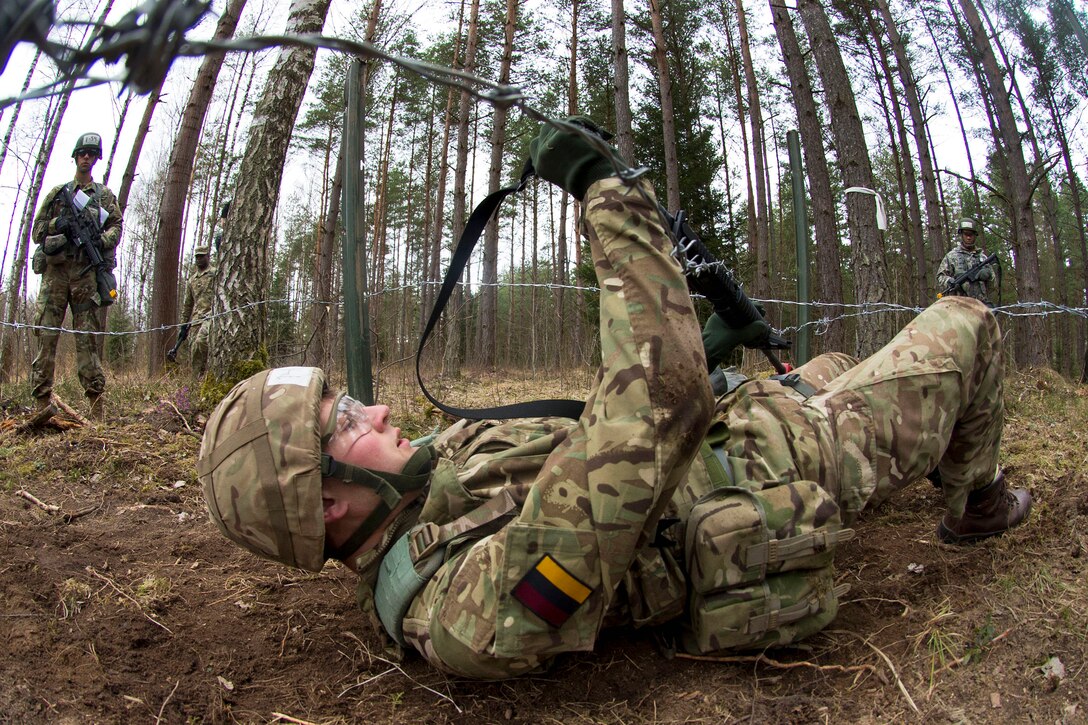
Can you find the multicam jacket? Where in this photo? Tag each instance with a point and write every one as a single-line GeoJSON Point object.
{"type": "Point", "coordinates": [958, 261]}
{"type": "Point", "coordinates": [603, 530]}
{"type": "Point", "coordinates": [100, 198]}
{"type": "Point", "coordinates": [199, 290]}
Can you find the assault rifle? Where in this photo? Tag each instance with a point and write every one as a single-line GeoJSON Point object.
{"type": "Point", "coordinates": [709, 278]}
{"type": "Point", "coordinates": [85, 235]}
{"type": "Point", "coordinates": [183, 333]}
{"type": "Point", "coordinates": [970, 275]}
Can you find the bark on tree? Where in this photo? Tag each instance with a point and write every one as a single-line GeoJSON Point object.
{"type": "Point", "coordinates": [761, 282]}
{"type": "Point", "coordinates": [164, 304]}
{"type": "Point", "coordinates": [827, 246]}
{"type": "Point", "coordinates": [489, 291]}
{"type": "Point", "coordinates": [734, 64]}
{"type": "Point", "coordinates": [137, 148]}
{"type": "Point", "coordinates": [17, 110]}
{"type": "Point", "coordinates": [1030, 348]}
{"type": "Point", "coordinates": [625, 142]}
{"type": "Point", "coordinates": [870, 283]}
{"type": "Point", "coordinates": [668, 123]}
{"type": "Point", "coordinates": [451, 359]}
{"type": "Point", "coordinates": [920, 129]}
{"type": "Point", "coordinates": [242, 280]}
{"type": "Point", "coordinates": [53, 119]}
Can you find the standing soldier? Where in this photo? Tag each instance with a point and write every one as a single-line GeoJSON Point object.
{"type": "Point", "coordinates": [196, 308]}
{"type": "Point", "coordinates": [68, 278]}
{"type": "Point", "coordinates": [961, 258]}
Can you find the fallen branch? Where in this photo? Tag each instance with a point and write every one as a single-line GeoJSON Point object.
{"type": "Point", "coordinates": [288, 718]}
{"type": "Point", "coordinates": [70, 411]}
{"type": "Point", "coordinates": [37, 501]}
{"type": "Point", "coordinates": [192, 432]}
{"type": "Point", "coordinates": [161, 709]}
{"type": "Point", "coordinates": [887, 660]}
{"type": "Point", "coordinates": [763, 659]}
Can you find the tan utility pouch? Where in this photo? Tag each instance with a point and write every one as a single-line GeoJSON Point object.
{"type": "Point", "coordinates": [760, 565]}
{"type": "Point", "coordinates": [38, 261]}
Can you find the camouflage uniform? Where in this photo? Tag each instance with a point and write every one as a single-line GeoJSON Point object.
{"type": "Point", "coordinates": [199, 291]}
{"type": "Point", "coordinates": [958, 261]}
{"type": "Point", "coordinates": [68, 281]}
{"type": "Point", "coordinates": [595, 495]}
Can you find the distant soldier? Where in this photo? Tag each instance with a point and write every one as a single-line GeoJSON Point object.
{"type": "Point", "coordinates": [68, 278]}
{"type": "Point", "coordinates": [195, 311]}
{"type": "Point", "coordinates": [962, 258]}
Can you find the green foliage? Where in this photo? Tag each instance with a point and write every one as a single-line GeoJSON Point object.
{"type": "Point", "coordinates": [212, 389]}
{"type": "Point", "coordinates": [120, 349]}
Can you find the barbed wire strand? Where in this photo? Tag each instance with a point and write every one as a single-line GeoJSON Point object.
{"type": "Point", "coordinates": [1014, 309]}
{"type": "Point", "coordinates": [152, 36]}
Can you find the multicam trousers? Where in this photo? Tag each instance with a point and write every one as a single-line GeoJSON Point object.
{"type": "Point", "coordinates": [65, 283]}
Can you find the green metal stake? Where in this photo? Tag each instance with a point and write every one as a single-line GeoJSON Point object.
{"type": "Point", "coordinates": [356, 317]}
{"type": "Point", "coordinates": [800, 222]}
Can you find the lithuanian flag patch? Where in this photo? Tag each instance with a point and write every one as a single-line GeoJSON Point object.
{"type": "Point", "coordinates": [551, 592]}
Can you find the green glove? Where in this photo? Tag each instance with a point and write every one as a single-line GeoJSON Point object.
{"type": "Point", "coordinates": [568, 160]}
{"type": "Point", "coordinates": [986, 274]}
{"type": "Point", "coordinates": [719, 339]}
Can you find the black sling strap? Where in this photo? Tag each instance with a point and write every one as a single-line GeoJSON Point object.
{"type": "Point", "coordinates": [473, 229]}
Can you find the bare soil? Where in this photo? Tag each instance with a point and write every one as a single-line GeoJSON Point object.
{"type": "Point", "coordinates": [126, 605]}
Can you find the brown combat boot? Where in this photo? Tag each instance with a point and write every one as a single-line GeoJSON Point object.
{"type": "Point", "coordinates": [990, 511]}
{"type": "Point", "coordinates": [98, 407]}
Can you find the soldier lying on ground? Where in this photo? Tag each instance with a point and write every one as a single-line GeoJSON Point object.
{"type": "Point", "coordinates": [506, 543]}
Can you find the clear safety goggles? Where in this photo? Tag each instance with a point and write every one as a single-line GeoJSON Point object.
{"type": "Point", "coordinates": [349, 418]}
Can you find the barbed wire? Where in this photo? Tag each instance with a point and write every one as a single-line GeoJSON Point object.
{"type": "Point", "coordinates": [153, 35]}
{"type": "Point", "coordinates": [1042, 308]}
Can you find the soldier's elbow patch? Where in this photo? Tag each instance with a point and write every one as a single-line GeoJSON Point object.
{"type": "Point", "coordinates": [550, 599]}
{"type": "Point", "coordinates": [551, 592]}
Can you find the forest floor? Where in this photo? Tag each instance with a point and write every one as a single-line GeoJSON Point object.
{"type": "Point", "coordinates": [125, 604]}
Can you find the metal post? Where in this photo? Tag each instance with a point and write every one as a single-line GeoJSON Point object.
{"type": "Point", "coordinates": [356, 317]}
{"type": "Point", "coordinates": [800, 222]}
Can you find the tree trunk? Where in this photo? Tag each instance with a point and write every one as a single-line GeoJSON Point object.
{"type": "Point", "coordinates": [54, 116]}
{"type": "Point", "coordinates": [914, 244]}
{"type": "Point", "coordinates": [137, 147]}
{"type": "Point", "coordinates": [870, 284]}
{"type": "Point", "coordinates": [761, 282]}
{"type": "Point", "coordinates": [242, 280]}
{"type": "Point", "coordinates": [489, 291]}
{"type": "Point", "coordinates": [734, 63]}
{"type": "Point", "coordinates": [668, 124]}
{"type": "Point", "coordinates": [934, 233]}
{"type": "Point", "coordinates": [452, 358]}
{"type": "Point", "coordinates": [1030, 348]}
{"type": "Point", "coordinates": [828, 257]}
{"type": "Point", "coordinates": [164, 303]}
{"type": "Point", "coordinates": [625, 142]}
{"type": "Point", "coordinates": [17, 109]}
{"type": "Point", "coordinates": [959, 116]}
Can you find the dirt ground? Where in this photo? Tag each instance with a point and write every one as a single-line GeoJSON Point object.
{"type": "Point", "coordinates": [126, 605]}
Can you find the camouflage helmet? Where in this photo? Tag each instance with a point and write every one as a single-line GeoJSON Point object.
{"type": "Point", "coordinates": [967, 225]}
{"type": "Point", "coordinates": [261, 465]}
{"type": "Point", "coordinates": [92, 141]}
{"type": "Point", "coordinates": [202, 250]}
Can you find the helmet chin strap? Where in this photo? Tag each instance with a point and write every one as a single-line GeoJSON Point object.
{"type": "Point", "coordinates": [390, 487]}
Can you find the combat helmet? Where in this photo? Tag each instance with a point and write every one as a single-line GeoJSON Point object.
{"type": "Point", "coordinates": [261, 463]}
{"type": "Point", "coordinates": [92, 141]}
{"type": "Point", "coordinates": [967, 225]}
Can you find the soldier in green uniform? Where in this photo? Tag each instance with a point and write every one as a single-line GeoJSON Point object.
{"type": "Point", "coordinates": [963, 257]}
{"type": "Point", "coordinates": [67, 278]}
{"type": "Point", "coordinates": [504, 544]}
{"type": "Point", "coordinates": [197, 307]}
